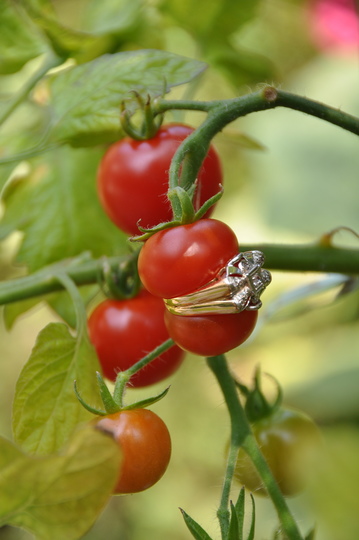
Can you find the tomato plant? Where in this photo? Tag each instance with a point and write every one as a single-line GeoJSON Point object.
{"type": "Point", "coordinates": [146, 447]}
{"type": "Point", "coordinates": [210, 335]}
{"type": "Point", "coordinates": [179, 260]}
{"type": "Point", "coordinates": [291, 442]}
{"type": "Point", "coordinates": [132, 179]}
{"type": "Point", "coordinates": [124, 331]}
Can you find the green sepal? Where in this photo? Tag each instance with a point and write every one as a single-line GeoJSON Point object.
{"type": "Point", "coordinates": [147, 233]}
{"type": "Point", "coordinates": [120, 282]}
{"type": "Point", "coordinates": [93, 410]}
{"type": "Point", "coordinates": [310, 535]}
{"type": "Point", "coordinates": [150, 123]}
{"type": "Point", "coordinates": [194, 528]}
{"type": "Point", "coordinates": [181, 201]}
{"type": "Point", "coordinates": [208, 204]}
{"type": "Point", "coordinates": [237, 518]}
{"type": "Point", "coordinates": [146, 402]}
{"type": "Point", "coordinates": [106, 396]}
{"type": "Point", "coordinates": [257, 406]}
{"type": "Point", "coordinates": [253, 520]}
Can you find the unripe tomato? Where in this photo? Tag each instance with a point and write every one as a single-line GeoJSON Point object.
{"type": "Point", "coordinates": [290, 442]}
{"type": "Point", "coordinates": [132, 179]}
{"type": "Point", "coordinates": [146, 447]}
{"type": "Point", "coordinates": [124, 331]}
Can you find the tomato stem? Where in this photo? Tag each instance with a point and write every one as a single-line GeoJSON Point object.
{"type": "Point", "coordinates": [242, 436]}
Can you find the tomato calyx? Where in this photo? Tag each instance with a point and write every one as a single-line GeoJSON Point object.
{"type": "Point", "coordinates": [151, 121]}
{"type": "Point", "coordinates": [113, 403]}
{"type": "Point", "coordinates": [183, 211]}
{"type": "Point", "coordinates": [122, 281]}
{"type": "Point", "coordinates": [257, 405]}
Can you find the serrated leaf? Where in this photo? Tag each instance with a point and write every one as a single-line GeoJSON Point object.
{"type": "Point", "coordinates": [86, 99]}
{"type": "Point", "coordinates": [20, 41]}
{"type": "Point", "coordinates": [58, 210]}
{"type": "Point", "coordinates": [195, 529]}
{"type": "Point", "coordinates": [46, 410]}
{"type": "Point", "coordinates": [58, 496]}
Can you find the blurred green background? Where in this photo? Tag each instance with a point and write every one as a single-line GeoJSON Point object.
{"type": "Point", "coordinates": [288, 178]}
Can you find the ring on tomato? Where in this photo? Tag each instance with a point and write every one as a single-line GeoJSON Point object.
{"type": "Point", "coordinates": [124, 331]}
{"type": "Point", "coordinates": [146, 447]}
{"type": "Point", "coordinates": [132, 179]}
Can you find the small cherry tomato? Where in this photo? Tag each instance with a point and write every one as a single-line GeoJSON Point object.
{"type": "Point", "coordinates": [132, 179]}
{"type": "Point", "coordinates": [290, 442]}
{"type": "Point", "coordinates": [124, 331]}
{"type": "Point", "coordinates": [146, 447]}
{"type": "Point", "coordinates": [180, 260]}
{"type": "Point", "coordinates": [210, 335]}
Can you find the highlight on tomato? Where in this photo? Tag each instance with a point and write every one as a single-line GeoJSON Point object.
{"type": "Point", "coordinates": [124, 331]}
{"type": "Point", "coordinates": [145, 443]}
{"type": "Point", "coordinates": [132, 179]}
{"type": "Point", "coordinates": [291, 443]}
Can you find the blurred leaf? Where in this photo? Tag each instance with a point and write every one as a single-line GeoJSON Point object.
{"type": "Point", "coordinates": [209, 17]}
{"type": "Point", "coordinates": [58, 210]}
{"type": "Point", "coordinates": [20, 40]}
{"type": "Point", "coordinates": [195, 529]}
{"type": "Point", "coordinates": [239, 66]}
{"type": "Point", "coordinates": [58, 496]}
{"type": "Point", "coordinates": [46, 410]}
{"type": "Point", "coordinates": [86, 99]}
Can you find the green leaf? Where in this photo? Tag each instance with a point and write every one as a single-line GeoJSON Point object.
{"type": "Point", "coordinates": [20, 40]}
{"type": "Point", "coordinates": [210, 17]}
{"type": "Point", "coordinates": [58, 210]}
{"type": "Point", "coordinates": [86, 99]}
{"type": "Point", "coordinates": [195, 529]}
{"type": "Point", "coordinates": [46, 410]}
{"type": "Point", "coordinates": [58, 496]}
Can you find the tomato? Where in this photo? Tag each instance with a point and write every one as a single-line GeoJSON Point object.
{"type": "Point", "coordinates": [146, 447]}
{"type": "Point", "coordinates": [124, 331]}
{"type": "Point", "coordinates": [291, 442]}
{"type": "Point", "coordinates": [180, 260]}
{"type": "Point", "coordinates": [210, 335]}
{"type": "Point", "coordinates": [132, 179]}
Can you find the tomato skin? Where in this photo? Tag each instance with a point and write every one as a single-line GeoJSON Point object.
{"type": "Point", "coordinates": [124, 331]}
{"type": "Point", "coordinates": [180, 260]}
{"type": "Point", "coordinates": [210, 335]}
{"type": "Point", "coordinates": [132, 179]}
{"type": "Point", "coordinates": [146, 447]}
{"type": "Point", "coordinates": [290, 442]}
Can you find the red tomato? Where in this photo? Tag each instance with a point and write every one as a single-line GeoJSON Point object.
{"type": "Point", "coordinates": [146, 447]}
{"type": "Point", "coordinates": [133, 179]}
{"type": "Point", "coordinates": [180, 260]}
{"type": "Point", "coordinates": [210, 335]}
{"type": "Point", "coordinates": [124, 331]}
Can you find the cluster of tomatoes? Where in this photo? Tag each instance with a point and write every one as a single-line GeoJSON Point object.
{"type": "Point", "coordinates": [174, 262]}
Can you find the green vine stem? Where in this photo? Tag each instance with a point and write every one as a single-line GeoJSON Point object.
{"type": "Point", "coordinates": [242, 436]}
{"type": "Point", "coordinates": [50, 61]}
{"type": "Point", "coordinates": [300, 258]}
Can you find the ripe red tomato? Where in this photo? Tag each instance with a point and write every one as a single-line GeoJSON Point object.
{"type": "Point", "coordinates": [210, 335]}
{"type": "Point", "coordinates": [132, 179]}
{"type": "Point", "coordinates": [124, 331]}
{"type": "Point", "coordinates": [291, 442]}
{"type": "Point", "coordinates": [180, 260]}
{"type": "Point", "coordinates": [146, 447]}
